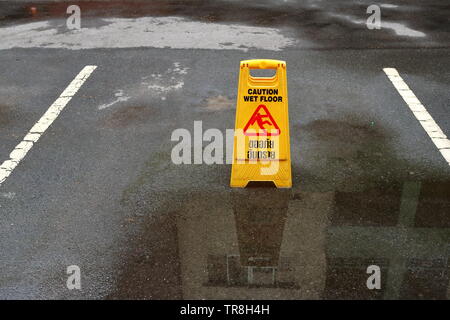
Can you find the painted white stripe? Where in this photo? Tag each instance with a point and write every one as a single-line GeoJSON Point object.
{"type": "Point", "coordinates": [20, 151]}
{"type": "Point", "coordinates": [420, 112]}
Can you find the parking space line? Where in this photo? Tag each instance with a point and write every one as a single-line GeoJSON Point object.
{"type": "Point", "coordinates": [20, 151]}
{"type": "Point", "coordinates": [438, 137]}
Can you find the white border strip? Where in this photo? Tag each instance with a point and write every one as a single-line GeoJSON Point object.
{"type": "Point", "coordinates": [20, 151]}
{"type": "Point", "coordinates": [429, 125]}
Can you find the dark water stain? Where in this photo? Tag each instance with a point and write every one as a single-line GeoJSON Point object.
{"type": "Point", "coordinates": [346, 278]}
{"type": "Point", "coordinates": [426, 279]}
{"type": "Point", "coordinates": [354, 130]}
{"type": "Point", "coordinates": [234, 239]}
{"type": "Point", "coordinates": [313, 241]}
{"type": "Point", "coordinates": [5, 115]}
{"type": "Point", "coordinates": [129, 115]}
{"type": "Point", "coordinates": [356, 151]}
{"type": "Point", "coordinates": [420, 279]}
{"type": "Point", "coordinates": [349, 142]}
{"type": "Point", "coordinates": [433, 210]}
{"type": "Point", "coordinates": [152, 269]}
{"type": "Point", "coordinates": [373, 206]}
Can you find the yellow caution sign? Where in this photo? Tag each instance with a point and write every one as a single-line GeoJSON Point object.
{"type": "Point", "coordinates": [261, 149]}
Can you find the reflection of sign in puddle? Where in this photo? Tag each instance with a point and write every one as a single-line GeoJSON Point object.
{"type": "Point", "coordinates": [260, 217]}
{"type": "Point", "coordinates": [235, 274]}
{"type": "Point", "coordinates": [258, 238]}
{"type": "Point", "coordinates": [283, 246]}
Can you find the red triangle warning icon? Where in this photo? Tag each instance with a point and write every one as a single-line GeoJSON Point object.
{"type": "Point", "coordinates": [261, 123]}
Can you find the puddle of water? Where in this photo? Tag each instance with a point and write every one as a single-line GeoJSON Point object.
{"type": "Point", "coordinates": [377, 206]}
{"type": "Point", "coordinates": [287, 244]}
{"type": "Point", "coordinates": [433, 209]}
{"type": "Point", "coordinates": [357, 205]}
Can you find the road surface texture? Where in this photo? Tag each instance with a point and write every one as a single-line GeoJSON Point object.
{"type": "Point", "coordinates": [99, 189]}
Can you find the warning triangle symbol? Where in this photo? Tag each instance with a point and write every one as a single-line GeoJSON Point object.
{"type": "Point", "coordinates": [261, 123]}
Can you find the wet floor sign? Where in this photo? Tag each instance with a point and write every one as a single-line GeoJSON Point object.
{"type": "Point", "coordinates": [261, 150]}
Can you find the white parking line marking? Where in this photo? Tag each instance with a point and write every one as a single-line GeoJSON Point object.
{"type": "Point", "coordinates": [420, 112]}
{"type": "Point", "coordinates": [20, 151]}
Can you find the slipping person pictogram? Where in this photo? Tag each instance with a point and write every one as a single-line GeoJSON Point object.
{"type": "Point", "coordinates": [259, 118]}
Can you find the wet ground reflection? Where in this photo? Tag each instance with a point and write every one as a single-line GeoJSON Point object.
{"type": "Point", "coordinates": [283, 244]}
{"type": "Point", "coordinates": [407, 235]}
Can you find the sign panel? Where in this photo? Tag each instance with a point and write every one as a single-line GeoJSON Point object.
{"type": "Point", "coordinates": [261, 143]}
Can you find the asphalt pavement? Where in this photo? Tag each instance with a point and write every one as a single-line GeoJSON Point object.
{"type": "Point", "coordinates": [99, 189]}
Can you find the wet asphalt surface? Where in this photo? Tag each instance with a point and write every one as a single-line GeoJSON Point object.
{"type": "Point", "coordinates": [99, 189]}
